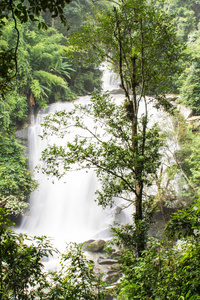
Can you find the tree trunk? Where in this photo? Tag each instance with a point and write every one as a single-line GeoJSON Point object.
{"type": "Point", "coordinates": [138, 217]}
{"type": "Point", "coordinates": [130, 94]}
{"type": "Point", "coordinates": [140, 232]}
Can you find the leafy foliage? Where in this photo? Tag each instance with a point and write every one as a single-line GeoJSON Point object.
{"type": "Point", "coordinates": [186, 20]}
{"type": "Point", "coordinates": [23, 12]}
{"type": "Point", "coordinates": [162, 273]}
{"type": "Point", "coordinates": [40, 52]}
{"type": "Point", "coordinates": [22, 273]}
{"type": "Point", "coordinates": [144, 32]}
{"type": "Point", "coordinates": [165, 270]}
{"type": "Point", "coordinates": [185, 223]}
{"type": "Point", "coordinates": [76, 279]}
{"type": "Point", "coordinates": [15, 180]}
{"type": "Point", "coordinates": [21, 270]}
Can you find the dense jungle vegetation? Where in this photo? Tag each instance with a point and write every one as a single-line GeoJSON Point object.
{"type": "Point", "coordinates": [50, 51]}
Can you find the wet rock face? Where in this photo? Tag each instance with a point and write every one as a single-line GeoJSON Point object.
{"type": "Point", "coordinates": [94, 245]}
{"type": "Point", "coordinates": [106, 261]}
{"type": "Point", "coordinates": [112, 276]}
{"type": "Point", "coordinates": [22, 136]}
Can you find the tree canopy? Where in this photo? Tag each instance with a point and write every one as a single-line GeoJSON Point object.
{"type": "Point", "coordinates": [142, 46]}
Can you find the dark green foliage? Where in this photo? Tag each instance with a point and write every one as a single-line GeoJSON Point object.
{"type": "Point", "coordinates": [85, 79]}
{"type": "Point", "coordinates": [190, 89]}
{"type": "Point", "coordinates": [76, 14]}
{"type": "Point", "coordinates": [165, 270]}
{"type": "Point", "coordinates": [185, 223]}
{"type": "Point", "coordinates": [31, 9]}
{"type": "Point", "coordinates": [22, 11]}
{"type": "Point", "coordinates": [21, 270]}
{"type": "Point", "coordinates": [162, 273]}
{"type": "Point", "coordinates": [132, 236]}
{"type": "Point", "coordinates": [15, 180]}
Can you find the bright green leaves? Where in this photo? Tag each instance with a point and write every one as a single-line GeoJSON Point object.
{"type": "Point", "coordinates": [40, 51]}
{"type": "Point", "coordinates": [44, 78]}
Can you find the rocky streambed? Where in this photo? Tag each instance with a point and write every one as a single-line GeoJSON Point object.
{"type": "Point", "coordinates": [108, 265]}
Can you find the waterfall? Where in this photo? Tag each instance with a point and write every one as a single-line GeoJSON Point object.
{"type": "Point", "coordinates": [65, 209]}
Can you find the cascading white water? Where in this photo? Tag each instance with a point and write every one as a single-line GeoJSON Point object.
{"type": "Point", "coordinates": [65, 209]}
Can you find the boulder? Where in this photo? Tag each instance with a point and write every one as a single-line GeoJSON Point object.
{"type": "Point", "coordinates": [111, 277]}
{"type": "Point", "coordinates": [115, 254]}
{"type": "Point", "coordinates": [94, 245]}
{"type": "Point", "coordinates": [106, 261]}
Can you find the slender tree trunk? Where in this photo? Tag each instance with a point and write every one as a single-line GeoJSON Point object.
{"type": "Point", "coordinates": [140, 233]}
{"type": "Point", "coordinates": [138, 199]}
{"type": "Point", "coordinates": [130, 94]}
{"type": "Point", "coordinates": [138, 216]}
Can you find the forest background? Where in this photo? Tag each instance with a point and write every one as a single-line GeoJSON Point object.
{"type": "Point", "coordinates": [46, 68]}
